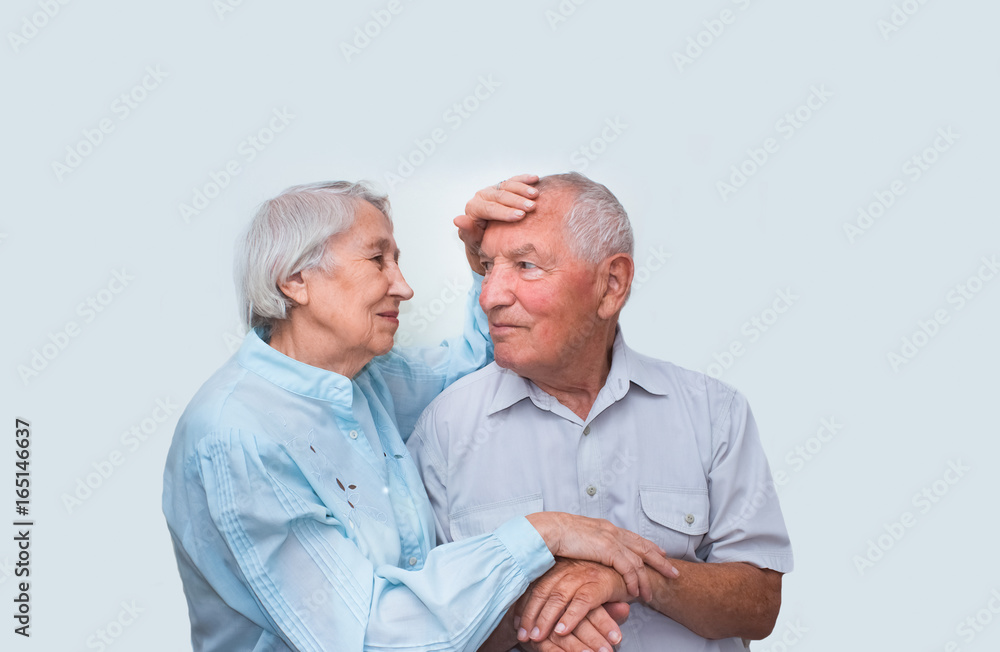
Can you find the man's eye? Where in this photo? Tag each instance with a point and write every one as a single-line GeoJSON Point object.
{"type": "Point", "coordinates": [526, 265]}
{"type": "Point", "coordinates": [378, 260]}
{"type": "Point", "coordinates": [487, 264]}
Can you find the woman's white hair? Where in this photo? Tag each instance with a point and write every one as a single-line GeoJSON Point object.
{"type": "Point", "coordinates": [597, 224]}
{"type": "Point", "coordinates": [289, 234]}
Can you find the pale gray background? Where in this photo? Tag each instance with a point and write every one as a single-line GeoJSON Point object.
{"type": "Point", "coordinates": [826, 357]}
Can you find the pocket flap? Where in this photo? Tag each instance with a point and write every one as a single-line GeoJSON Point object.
{"type": "Point", "coordinates": [483, 519]}
{"type": "Point", "coordinates": [681, 509]}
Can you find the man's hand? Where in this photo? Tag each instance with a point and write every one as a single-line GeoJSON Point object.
{"type": "Point", "coordinates": [593, 539]}
{"type": "Point", "coordinates": [508, 201]}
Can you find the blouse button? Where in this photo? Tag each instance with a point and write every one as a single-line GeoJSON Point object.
{"type": "Point", "coordinates": [353, 434]}
{"type": "Point", "coordinates": [413, 561]}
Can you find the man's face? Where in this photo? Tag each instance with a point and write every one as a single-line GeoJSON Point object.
{"type": "Point", "coordinates": [541, 300]}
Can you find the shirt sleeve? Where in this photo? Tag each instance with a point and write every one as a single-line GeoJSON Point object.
{"type": "Point", "coordinates": [415, 375]}
{"type": "Point", "coordinates": [312, 576]}
{"type": "Point", "coordinates": [746, 521]}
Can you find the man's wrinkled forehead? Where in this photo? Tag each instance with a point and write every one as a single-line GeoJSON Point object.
{"type": "Point", "coordinates": [542, 228]}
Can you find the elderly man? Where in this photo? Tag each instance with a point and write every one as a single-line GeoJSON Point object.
{"type": "Point", "coordinates": [570, 418]}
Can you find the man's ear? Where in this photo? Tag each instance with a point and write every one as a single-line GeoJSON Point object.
{"type": "Point", "coordinates": [295, 288]}
{"type": "Point", "coordinates": [618, 271]}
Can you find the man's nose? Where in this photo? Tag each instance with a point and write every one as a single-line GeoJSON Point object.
{"type": "Point", "coordinates": [497, 289]}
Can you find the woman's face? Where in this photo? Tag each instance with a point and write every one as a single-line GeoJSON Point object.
{"type": "Point", "coordinates": [354, 307]}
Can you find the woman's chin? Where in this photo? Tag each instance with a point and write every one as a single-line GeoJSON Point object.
{"type": "Point", "coordinates": [384, 345]}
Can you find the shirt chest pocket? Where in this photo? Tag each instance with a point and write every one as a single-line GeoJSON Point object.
{"type": "Point", "coordinates": [483, 519]}
{"type": "Point", "coordinates": [675, 518]}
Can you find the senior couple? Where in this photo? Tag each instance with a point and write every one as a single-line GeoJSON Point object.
{"type": "Point", "coordinates": [534, 483]}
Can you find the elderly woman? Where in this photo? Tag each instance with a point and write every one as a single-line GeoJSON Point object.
{"type": "Point", "coordinates": [298, 518]}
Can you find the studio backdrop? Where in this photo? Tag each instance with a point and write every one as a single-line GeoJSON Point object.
{"type": "Point", "coordinates": [813, 191]}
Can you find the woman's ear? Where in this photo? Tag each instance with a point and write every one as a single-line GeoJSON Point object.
{"type": "Point", "coordinates": [295, 288]}
{"type": "Point", "coordinates": [619, 270]}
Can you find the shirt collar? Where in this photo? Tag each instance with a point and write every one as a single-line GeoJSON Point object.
{"type": "Point", "coordinates": [627, 367]}
{"type": "Point", "coordinates": [297, 377]}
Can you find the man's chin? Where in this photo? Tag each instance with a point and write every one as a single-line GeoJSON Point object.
{"type": "Point", "coordinates": [504, 355]}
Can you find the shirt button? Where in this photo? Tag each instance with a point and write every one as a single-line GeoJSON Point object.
{"type": "Point", "coordinates": [413, 561]}
{"type": "Point", "coordinates": [586, 431]}
{"type": "Point", "coordinates": [689, 519]}
{"type": "Point", "coordinates": [353, 434]}
{"type": "Point", "coordinates": [591, 490]}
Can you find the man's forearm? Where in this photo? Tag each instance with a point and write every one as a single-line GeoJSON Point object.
{"type": "Point", "coordinates": [504, 637]}
{"type": "Point", "coordinates": [720, 600]}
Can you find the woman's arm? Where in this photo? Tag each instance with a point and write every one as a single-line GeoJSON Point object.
{"type": "Point", "coordinates": [322, 581]}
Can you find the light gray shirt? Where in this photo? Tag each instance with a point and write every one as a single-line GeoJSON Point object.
{"type": "Point", "coordinates": [669, 453]}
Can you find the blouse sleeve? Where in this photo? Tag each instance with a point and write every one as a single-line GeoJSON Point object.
{"type": "Point", "coordinates": [318, 588]}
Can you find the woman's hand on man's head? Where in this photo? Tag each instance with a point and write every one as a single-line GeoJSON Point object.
{"type": "Point", "coordinates": [507, 201]}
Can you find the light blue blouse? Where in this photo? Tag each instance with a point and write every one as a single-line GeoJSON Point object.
{"type": "Point", "coordinates": [299, 520]}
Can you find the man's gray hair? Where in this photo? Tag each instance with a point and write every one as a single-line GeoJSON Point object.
{"type": "Point", "coordinates": [289, 234]}
{"type": "Point", "coordinates": [597, 224]}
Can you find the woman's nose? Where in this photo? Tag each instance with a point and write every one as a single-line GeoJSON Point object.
{"type": "Point", "coordinates": [398, 287]}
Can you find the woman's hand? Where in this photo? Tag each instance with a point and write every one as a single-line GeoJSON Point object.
{"type": "Point", "coordinates": [592, 539]}
{"type": "Point", "coordinates": [588, 636]}
{"type": "Point", "coordinates": [508, 201]}
{"type": "Point", "coordinates": [580, 585]}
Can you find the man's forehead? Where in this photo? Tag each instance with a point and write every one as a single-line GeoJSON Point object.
{"type": "Point", "coordinates": [541, 229]}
